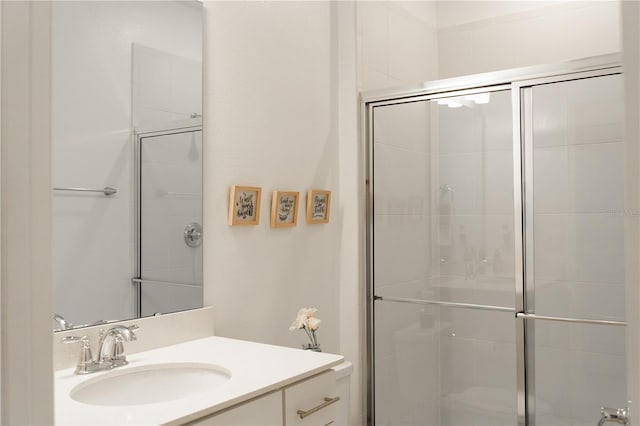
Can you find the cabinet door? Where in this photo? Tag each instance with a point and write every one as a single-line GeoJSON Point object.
{"type": "Point", "coordinates": [312, 402]}
{"type": "Point", "coordinates": [264, 411]}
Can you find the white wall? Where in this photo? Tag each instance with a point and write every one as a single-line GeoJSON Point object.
{"type": "Point", "coordinates": [630, 15]}
{"type": "Point", "coordinates": [270, 120]}
{"type": "Point", "coordinates": [92, 145]}
{"type": "Point", "coordinates": [475, 37]}
{"type": "Point", "coordinates": [27, 368]}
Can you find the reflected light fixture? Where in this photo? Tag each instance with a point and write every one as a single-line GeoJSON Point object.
{"type": "Point", "coordinates": [479, 98]}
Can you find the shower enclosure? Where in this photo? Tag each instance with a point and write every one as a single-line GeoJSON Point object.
{"type": "Point", "coordinates": [495, 248]}
{"type": "Point", "coordinates": [169, 219]}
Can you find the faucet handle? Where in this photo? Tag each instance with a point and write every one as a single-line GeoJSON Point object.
{"type": "Point", "coordinates": [85, 362]}
{"type": "Point", "coordinates": [75, 339]}
{"type": "Point", "coordinates": [132, 329]}
{"type": "Point", "coordinates": [118, 357]}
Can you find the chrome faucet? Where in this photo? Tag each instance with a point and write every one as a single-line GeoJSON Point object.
{"type": "Point", "coordinates": [61, 323]}
{"type": "Point", "coordinates": [614, 415]}
{"type": "Point", "coordinates": [110, 350]}
{"type": "Point", "coordinates": [111, 346]}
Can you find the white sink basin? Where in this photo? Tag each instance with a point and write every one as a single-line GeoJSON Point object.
{"type": "Point", "coordinates": [150, 384]}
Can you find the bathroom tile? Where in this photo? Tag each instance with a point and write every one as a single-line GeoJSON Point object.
{"type": "Point", "coordinates": [457, 368]}
{"type": "Point", "coordinates": [600, 248]}
{"type": "Point", "coordinates": [458, 130]}
{"type": "Point", "coordinates": [477, 324]}
{"type": "Point", "coordinates": [498, 126]}
{"type": "Point", "coordinates": [598, 301]}
{"type": "Point", "coordinates": [598, 339]}
{"type": "Point", "coordinates": [395, 321]}
{"type": "Point", "coordinates": [597, 381]}
{"type": "Point", "coordinates": [458, 242]}
{"type": "Point", "coordinates": [463, 174]}
{"type": "Point", "coordinates": [496, 368]}
{"type": "Point", "coordinates": [552, 380]}
{"type": "Point", "coordinates": [551, 180]}
{"type": "Point", "coordinates": [186, 85]}
{"type": "Point", "coordinates": [374, 30]}
{"type": "Point", "coordinates": [385, 401]}
{"type": "Point", "coordinates": [373, 79]}
{"type": "Point", "coordinates": [169, 298]}
{"type": "Point", "coordinates": [411, 289]}
{"type": "Point", "coordinates": [413, 42]}
{"type": "Point", "coordinates": [553, 257]}
{"type": "Point", "coordinates": [150, 118]}
{"type": "Point", "coordinates": [551, 297]}
{"type": "Point", "coordinates": [155, 239]}
{"type": "Point", "coordinates": [404, 126]}
{"type": "Point", "coordinates": [599, 178]}
{"type": "Point", "coordinates": [417, 360]}
{"type": "Point", "coordinates": [550, 335]}
{"type": "Point", "coordinates": [402, 249]}
{"type": "Point", "coordinates": [549, 116]}
{"type": "Point", "coordinates": [596, 110]}
{"type": "Point", "coordinates": [151, 78]}
{"type": "Point", "coordinates": [401, 182]}
{"type": "Point", "coordinates": [497, 183]}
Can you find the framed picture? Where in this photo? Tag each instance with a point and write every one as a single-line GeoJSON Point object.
{"type": "Point", "coordinates": [318, 205]}
{"type": "Point", "coordinates": [244, 205]}
{"type": "Point", "coordinates": [284, 209]}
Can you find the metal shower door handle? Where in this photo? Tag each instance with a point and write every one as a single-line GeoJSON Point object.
{"type": "Point", "coordinates": [193, 234]}
{"type": "Point", "coordinates": [614, 415]}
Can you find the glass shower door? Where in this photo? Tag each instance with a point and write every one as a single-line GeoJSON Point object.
{"type": "Point", "coordinates": [170, 221]}
{"type": "Point", "coordinates": [575, 258]}
{"type": "Point", "coordinates": [443, 264]}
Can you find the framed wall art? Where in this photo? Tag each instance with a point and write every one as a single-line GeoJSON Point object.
{"type": "Point", "coordinates": [284, 209]}
{"type": "Point", "coordinates": [318, 206]}
{"type": "Point", "coordinates": [244, 205]}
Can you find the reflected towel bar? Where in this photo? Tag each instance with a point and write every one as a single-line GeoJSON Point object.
{"type": "Point", "coordinates": [107, 190]}
{"type": "Point", "coordinates": [138, 281]}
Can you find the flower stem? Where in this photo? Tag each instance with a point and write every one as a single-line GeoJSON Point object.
{"type": "Point", "coordinates": [308, 334]}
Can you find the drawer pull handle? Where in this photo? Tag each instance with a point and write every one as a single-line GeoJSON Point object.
{"type": "Point", "coordinates": [326, 403]}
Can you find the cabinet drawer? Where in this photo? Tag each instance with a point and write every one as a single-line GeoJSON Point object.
{"type": "Point", "coordinates": [312, 402]}
{"type": "Point", "coordinates": [263, 411]}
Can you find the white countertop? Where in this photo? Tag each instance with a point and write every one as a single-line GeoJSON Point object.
{"type": "Point", "coordinates": [255, 369]}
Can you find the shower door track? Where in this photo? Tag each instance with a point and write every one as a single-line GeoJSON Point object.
{"type": "Point", "coordinates": [518, 81]}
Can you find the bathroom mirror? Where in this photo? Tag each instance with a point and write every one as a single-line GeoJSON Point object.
{"type": "Point", "coordinates": [126, 159]}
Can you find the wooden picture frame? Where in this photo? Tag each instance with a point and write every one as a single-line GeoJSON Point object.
{"type": "Point", "coordinates": [244, 205]}
{"type": "Point", "coordinates": [318, 206]}
{"type": "Point", "coordinates": [284, 209]}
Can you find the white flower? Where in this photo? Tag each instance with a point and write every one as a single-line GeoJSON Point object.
{"type": "Point", "coordinates": [313, 323]}
{"type": "Point", "coordinates": [305, 319]}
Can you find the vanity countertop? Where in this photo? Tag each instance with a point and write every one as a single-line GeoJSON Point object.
{"type": "Point", "coordinates": [255, 369]}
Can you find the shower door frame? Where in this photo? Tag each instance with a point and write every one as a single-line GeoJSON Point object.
{"type": "Point", "coordinates": [192, 125]}
{"type": "Point", "coordinates": [518, 81]}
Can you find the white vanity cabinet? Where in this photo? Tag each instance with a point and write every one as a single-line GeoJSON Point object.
{"type": "Point", "coordinates": [259, 385]}
{"type": "Point", "coordinates": [310, 402]}
{"type": "Point", "coordinates": [264, 410]}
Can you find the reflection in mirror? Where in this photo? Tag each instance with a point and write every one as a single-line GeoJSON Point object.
{"type": "Point", "coordinates": [126, 125]}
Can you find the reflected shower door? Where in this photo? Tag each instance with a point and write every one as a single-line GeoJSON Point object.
{"type": "Point", "coordinates": [443, 261]}
{"type": "Point", "coordinates": [170, 214]}
{"type": "Point", "coordinates": [575, 257]}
